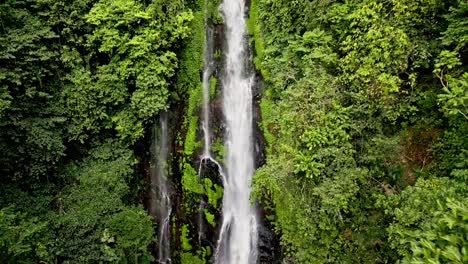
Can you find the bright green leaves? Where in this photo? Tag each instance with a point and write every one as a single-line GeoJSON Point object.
{"type": "Point", "coordinates": [322, 143]}
{"type": "Point", "coordinates": [418, 230]}
{"type": "Point", "coordinates": [376, 52]}
{"type": "Point", "coordinates": [310, 180]}
{"type": "Point", "coordinates": [186, 257]}
{"type": "Point", "coordinates": [190, 180]}
{"type": "Point", "coordinates": [456, 34]}
{"type": "Point", "coordinates": [132, 85]}
{"type": "Point", "coordinates": [90, 100]}
{"type": "Point", "coordinates": [129, 27]}
{"type": "Point", "coordinates": [447, 62]}
{"type": "Point", "coordinates": [185, 238]}
{"type": "Point", "coordinates": [102, 67]}
{"type": "Point", "coordinates": [117, 13]}
{"type": "Point", "coordinates": [350, 115]}
{"type": "Point", "coordinates": [338, 193]}
{"type": "Point", "coordinates": [443, 238]}
{"type": "Point", "coordinates": [449, 66]}
{"type": "Point", "coordinates": [254, 28]}
{"type": "Point", "coordinates": [455, 97]}
{"type": "Point", "coordinates": [314, 46]}
{"type": "Point", "coordinates": [210, 218]}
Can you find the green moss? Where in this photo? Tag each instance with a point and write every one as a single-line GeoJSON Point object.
{"type": "Point", "coordinates": [189, 258]}
{"type": "Point", "coordinates": [190, 180]}
{"type": "Point", "coordinates": [213, 194]}
{"type": "Point", "coordinates": [213, 82]}
{"type": "Point", "coordinates": [217, 147]}
{"type": "Point", "coordinates": [209, 218]}
{"type": "Point", "coordinates": [189, 81]}
{"type": "Point", "coordinates": [254, 28]}
{"type": "Point", "coordinates": [184, 238]}
{"type": "Point", "coordinates": [191, 142]}
{"type": "Point", "coordinates": [200, 258]}
{"type": "Point", "coordinates": [186, 257]}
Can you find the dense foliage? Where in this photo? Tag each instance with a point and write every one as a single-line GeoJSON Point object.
{"type": "Point", "coordinates": [364, 108]}
{"type": "Point", "coordinates": [80, 81]}
{"type": "Point", "coordinates": [364, 111]}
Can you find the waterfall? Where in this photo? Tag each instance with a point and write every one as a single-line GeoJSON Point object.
{"type": "Point", "coordinates": [207, 72]}
{"type": "Point", "coordinates": [237, 243]}
{"type": "Point", "coordinates": [160, 186]}
{"type": "Point", "coordinates": [205, 120]}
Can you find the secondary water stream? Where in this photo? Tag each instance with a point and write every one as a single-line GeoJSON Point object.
{"type": "Point", "coordinates": [160, 187]}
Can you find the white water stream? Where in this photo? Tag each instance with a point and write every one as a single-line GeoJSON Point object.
{"type": "Point", "coordinates": [159, 178]}
{"type": "Point", "coordinates": [207, 72]}
{"type": "Point", "coordinates": [237, 243]}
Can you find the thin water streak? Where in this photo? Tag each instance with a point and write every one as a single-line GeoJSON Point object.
{"type": "Point", "coordinates": [159, 176]}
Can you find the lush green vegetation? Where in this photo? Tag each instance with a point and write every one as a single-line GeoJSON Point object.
{"type": "Point", "coordinates": [364, 109]}
{"type": "Point", "coordinates": [364, 112]}
{"type": "Point", "coordinates": [80, 81]}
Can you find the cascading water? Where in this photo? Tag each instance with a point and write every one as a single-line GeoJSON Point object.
{"type": "Point", "coordinates": [160, 187]}
{"type": "Point", "coordinates": [207, 72]}
{"type": "Point", "coordinates": [237, 243]}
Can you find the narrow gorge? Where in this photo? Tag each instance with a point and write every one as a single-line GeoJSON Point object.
{"type": "Point", "coordinates": [223, 224]}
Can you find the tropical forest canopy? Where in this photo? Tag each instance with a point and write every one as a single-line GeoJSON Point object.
{"type": "Point", "coordinates": [364, 108]}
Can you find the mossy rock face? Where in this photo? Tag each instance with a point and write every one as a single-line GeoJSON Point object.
{"type": "Point", "coordinates": [210, 170]}
{"type": "Point", "coordinates": [211, 201]}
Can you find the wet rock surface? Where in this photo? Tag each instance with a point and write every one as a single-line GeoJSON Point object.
{"type": "Point", "coordinates": [211, 170]}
